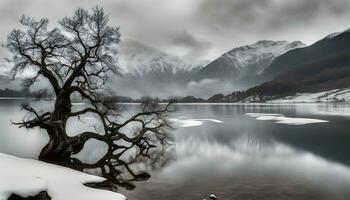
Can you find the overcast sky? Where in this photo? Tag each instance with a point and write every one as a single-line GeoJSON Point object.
{"type": "Point", "coordinates": [201, 29]}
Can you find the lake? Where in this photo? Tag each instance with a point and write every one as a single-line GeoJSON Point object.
{"type": "Point", "coordinates": [235, 151]}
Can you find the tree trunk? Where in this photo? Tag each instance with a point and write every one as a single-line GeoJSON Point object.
{"type": "Point", "coordinates": [60, 144]}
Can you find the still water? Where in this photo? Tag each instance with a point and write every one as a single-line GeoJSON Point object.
{"type": "Point", "coordinates": [236, 151]}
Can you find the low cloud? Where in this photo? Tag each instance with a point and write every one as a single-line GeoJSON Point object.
{"type": "Point", "coordinates": [208, 87]}
{"type": "Point", "coordinates": [203, 88]}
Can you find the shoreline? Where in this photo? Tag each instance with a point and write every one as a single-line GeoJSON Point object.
{"type": "Point", "coordinates": [213, 103]}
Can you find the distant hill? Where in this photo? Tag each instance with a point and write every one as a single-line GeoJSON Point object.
{"type": "Point", "coordinates": [11, 93]}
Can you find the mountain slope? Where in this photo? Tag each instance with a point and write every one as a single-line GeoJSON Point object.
{"type": "Point", "coordinates": [247, 61]}
{"type": "Point", "coordinates": [322, 66]}
{"type": "Point", "coordinates": [336, 95]}
{"type": "Point", "coordinates": [330, 47]}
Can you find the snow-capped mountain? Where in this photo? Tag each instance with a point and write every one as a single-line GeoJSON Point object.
{"type": "Point", "coordinates": [144, 68]}
{"type": "Point", "coordinates": [333, 35]}
{"type": "Point", "coordinates": [249, 60]}
{"type": "Point", "coordinates": [148, 71]}
{"type": "Point", "coordinates": [319, 72]}
{"type": "Point", "coordinates": [139, 60]}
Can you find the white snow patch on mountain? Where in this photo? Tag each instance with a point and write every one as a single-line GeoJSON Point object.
{"type": "Point", "coordinates": [337, 95]}
{"type": "Point", "coordinates": [333, 35]}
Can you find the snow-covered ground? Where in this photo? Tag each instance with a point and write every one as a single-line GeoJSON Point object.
{"type": "Point", "coordinates": [27, 177]}
{"type": "Point", "coordinates": [337, 95]}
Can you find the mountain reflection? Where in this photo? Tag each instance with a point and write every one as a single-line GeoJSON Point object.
{"type": "Point", "coordinates": [243, 166]}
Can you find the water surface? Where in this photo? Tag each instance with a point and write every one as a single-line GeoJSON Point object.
{"type": "Point", "coordinates": [223, 150]}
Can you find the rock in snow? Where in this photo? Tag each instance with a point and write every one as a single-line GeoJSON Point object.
{"type": "Point", "coordinates": [212, 196]}
{"type": "Point", "coordinates": [27, 177]}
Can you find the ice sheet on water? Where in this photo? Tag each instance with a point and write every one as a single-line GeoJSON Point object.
{"type": "Point", "coordinates": [281, 119]}
{"type": "Point", "coordinates": [191, 122]}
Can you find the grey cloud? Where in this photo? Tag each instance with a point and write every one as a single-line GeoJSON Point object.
{"type": "Point", "coordinates": [202, 29]}
{"type": "Point", "coordinates": [195, 46]}
{"type": "Point", "coordinates": [301, 13]}
{"type": "Point", "coordinates": [223, 14]}
{"type": "Point", "coordinates": [211, 26]}
{"type": "Point", "coordinates": [268, 14]}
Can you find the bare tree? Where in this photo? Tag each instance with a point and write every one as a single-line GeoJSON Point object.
{"type": "Point", "coordinates": [77, 59]}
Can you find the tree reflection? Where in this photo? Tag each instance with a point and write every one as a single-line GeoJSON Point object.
{"type": "Point", "coordinates": [126, 170]}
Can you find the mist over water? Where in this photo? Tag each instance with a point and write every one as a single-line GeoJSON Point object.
{"type": "Point", "coordinates": [176, 86]}
{"type": "Point", "coordinates": [220, 149]}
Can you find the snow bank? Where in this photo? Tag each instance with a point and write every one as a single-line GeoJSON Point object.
{"type": "Point", "coordinates": [188, 122]}
{"type": "Point", "coordinates": [26, 177]}
{"type": "Point", "coordinates": [281, 119]}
